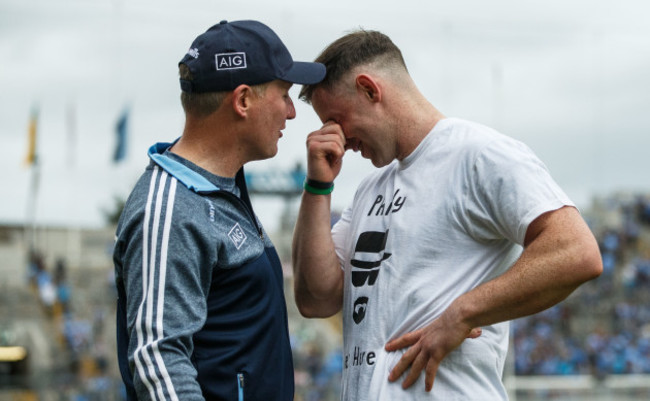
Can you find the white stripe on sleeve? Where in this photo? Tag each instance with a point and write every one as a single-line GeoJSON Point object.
{"type": "Point", "coordinates": [145, 264]}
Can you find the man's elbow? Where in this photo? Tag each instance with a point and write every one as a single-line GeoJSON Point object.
{"type": "Point", "coordinates": [311, 308]}
{"type": "Point", "coordinates": [589, 262]}
{"type": "Point", "coordinates": [304, 307]}
{"type": "Point", "coordinates": [307, 310]}
{"type": "Point", "coordinates": [595, 266]}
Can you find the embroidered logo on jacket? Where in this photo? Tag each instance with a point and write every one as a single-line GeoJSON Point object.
{"type": "Point", "coordinates": [237, 235]}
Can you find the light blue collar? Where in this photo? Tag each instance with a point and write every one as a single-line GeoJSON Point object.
{"type": "Point", "coordinates": [190, 178]}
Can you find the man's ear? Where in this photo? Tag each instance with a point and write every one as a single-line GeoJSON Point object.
{"type": "Point", "coordinates": [241, 100]}
{"type": "Point", "coordinates": [369, 87]}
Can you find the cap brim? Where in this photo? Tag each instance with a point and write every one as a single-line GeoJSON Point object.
{"type": "Point", "coordinates": [305, 73]}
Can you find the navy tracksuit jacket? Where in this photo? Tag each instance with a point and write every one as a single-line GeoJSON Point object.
{"type": "Point", "coordinates": [201, 310]}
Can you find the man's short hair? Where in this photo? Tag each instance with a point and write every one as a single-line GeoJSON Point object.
{"type": "Point", "coordinates": [203, 104]}
{"type": "Point", "coordinates": [357, 48]}
{"type": "Point", "coordinates": [199, 104]}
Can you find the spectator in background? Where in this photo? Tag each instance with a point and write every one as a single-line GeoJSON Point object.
{"type": "Point", "coordinates": [62, 286]}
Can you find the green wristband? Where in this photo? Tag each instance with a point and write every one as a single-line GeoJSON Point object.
{"type": "Point", "coordinates": [318, 191]}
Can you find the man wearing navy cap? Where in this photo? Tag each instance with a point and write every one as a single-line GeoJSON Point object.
{"type": "Point", "coordinates": [201, 311]}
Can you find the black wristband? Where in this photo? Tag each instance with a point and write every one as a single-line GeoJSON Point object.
{"type": "Point", "coordinates": [318, 187]}
{"type": "Point", "coordinates": [319, 184]}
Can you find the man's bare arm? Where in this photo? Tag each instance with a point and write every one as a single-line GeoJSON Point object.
{"type": "Point", "coordinates": [560, 254]}
{"type": "Point", "coordinates": [318, 278]}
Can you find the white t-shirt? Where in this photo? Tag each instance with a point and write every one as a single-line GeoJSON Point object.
{"type": "Point", "coordinates": [423, 231]}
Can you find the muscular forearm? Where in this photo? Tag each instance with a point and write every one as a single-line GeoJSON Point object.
{"type": "Point", "coordinates": [558, 258]}
{"type": "Point", "coordinates": [318, 278]}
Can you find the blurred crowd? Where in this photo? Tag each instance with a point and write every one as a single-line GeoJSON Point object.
{"type": "Point", "coordinates": [603, 328]}
{"type": "Point", "coordinates": [317, 368]}
{"type": "Point", "coordinates": [79, 342]}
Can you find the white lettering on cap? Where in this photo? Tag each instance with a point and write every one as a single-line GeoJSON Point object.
{"type": "Point", "coordinates": [230, 61]}
{"type": "Point", "coordinates": [193, 52]}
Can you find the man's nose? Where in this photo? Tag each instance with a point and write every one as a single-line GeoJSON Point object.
{"type": "Point", "coordinates": [291, 110]}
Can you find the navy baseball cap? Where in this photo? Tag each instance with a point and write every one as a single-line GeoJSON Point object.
{"type": "Point", "coordinates": [243, 52]}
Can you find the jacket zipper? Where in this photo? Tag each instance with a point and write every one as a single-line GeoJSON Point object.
{"type": "Point", "coordinates": [240, 386]}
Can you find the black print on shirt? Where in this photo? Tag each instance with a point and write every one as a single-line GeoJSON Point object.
{"type": "Point", "coordinates": [383, 209]}
{"type": "Point", "coordinates": [369, 252]}
{"type": "Point", "coordinates": [359, 358]}
{"type": "Point", "coordinates": [359, 309]}
{"type": "Point", "coordinates": [373, 243]}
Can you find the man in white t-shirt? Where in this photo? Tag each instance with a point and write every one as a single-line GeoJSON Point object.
{"type": "Point", "coordinates": [458, 231]}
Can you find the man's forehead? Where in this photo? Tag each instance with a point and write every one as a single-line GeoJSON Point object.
{"type": "Point", "coordinates": [323, 104]}
{"type": "Point", "coordinates": [323, 95]}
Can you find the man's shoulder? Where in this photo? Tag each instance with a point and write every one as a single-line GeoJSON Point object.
{"type": "Point", "coordinates": [376, 176]}
{"type": "Point", "coordinates": [153, 194]}
{"type": "Point", "coordinates": [473, 139]}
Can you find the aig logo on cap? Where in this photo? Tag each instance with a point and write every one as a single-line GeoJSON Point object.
{"type": "Point", "coordinates": [230, 61]}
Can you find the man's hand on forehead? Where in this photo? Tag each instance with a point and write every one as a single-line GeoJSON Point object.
{"type": "Point", "coordinates": [325, 150]}
{"type": "Point", "coordinates": [349, 143]}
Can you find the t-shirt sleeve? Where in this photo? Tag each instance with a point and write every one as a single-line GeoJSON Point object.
{"type": "Point", "coordinates": [340, 234]}
{"type": "Point", "coordinates": [509, 187]}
